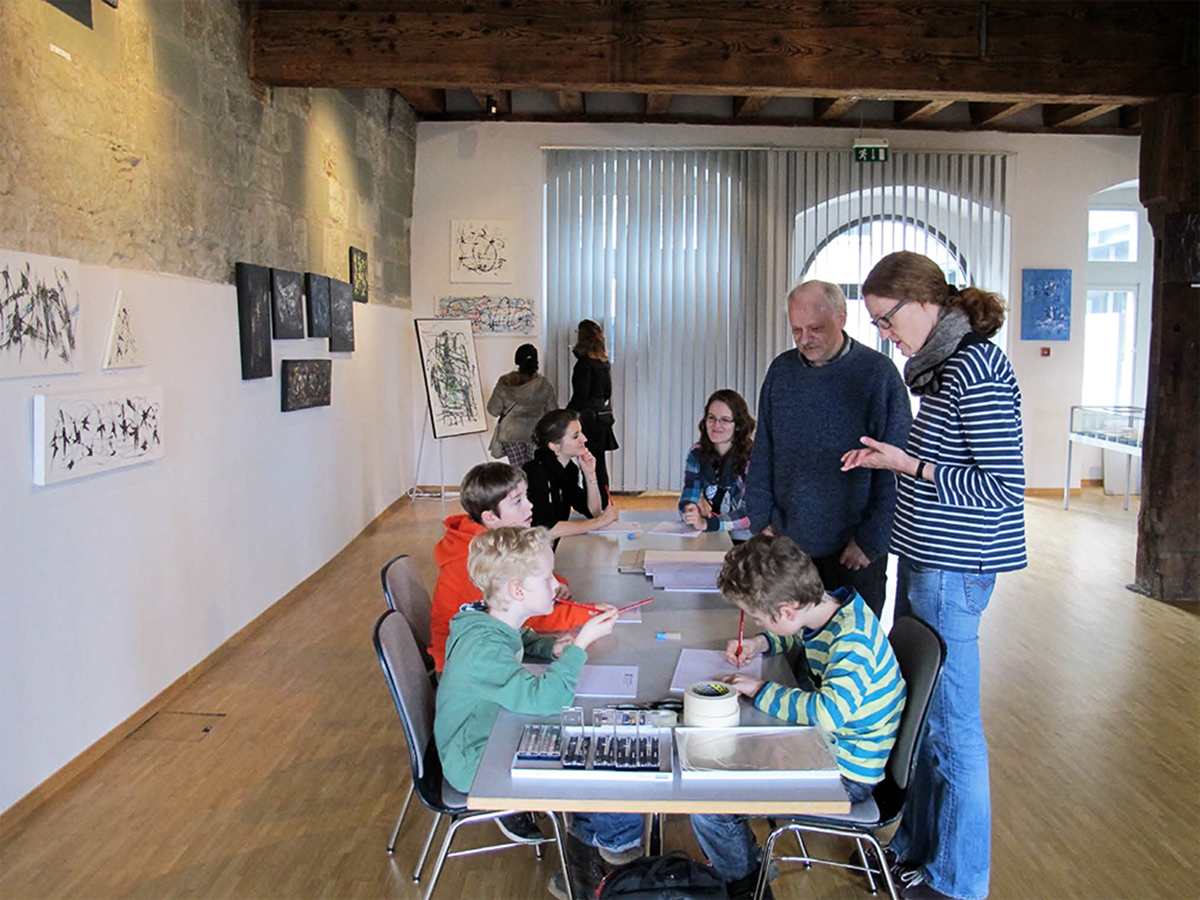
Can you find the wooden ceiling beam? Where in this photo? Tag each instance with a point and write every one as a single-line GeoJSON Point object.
{"type": "Point", "coordinates": [1068, 115]}
{"type": "Point", "coordinates": [502, 97]}
{"type": "Point", "coordinates": [424, 101]}
{"type": "Point", "coordinates": [830, 109]}
{"type": "Point", "coordinates": [570, 102]}
{"type": "Point", "coordinates": [1131, 117]}
{"type": "Point", "coordinates": [983, 114]}
{"type": "Point", "coordinates": [1102, 51]}
{"type": "Point", "coordinates": [749, 107]}
{"type": "Point", "coordinates": [908, 111]}
{"type": "Point", "coordinates": [658, 104]}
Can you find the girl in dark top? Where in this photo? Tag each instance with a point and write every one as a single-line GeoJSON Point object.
{"type": "Point", "coordinates": [562, 476]}
{"type": "Point", "coordinates": [591, 394]}
{"type": "Point", "coordinates": [714, 474]}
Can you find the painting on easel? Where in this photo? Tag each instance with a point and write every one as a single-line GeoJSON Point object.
{"type": "Point", "coordinates": [452, 386]}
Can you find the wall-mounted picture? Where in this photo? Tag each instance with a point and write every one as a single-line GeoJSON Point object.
{"type": "Point", "coordinates": [121, 351]}
{"type": "Point", "coordinates": [316, 290]}
{"type": "Point", "coordinates": [341, 316]}
{"type": "Point", "coordinates": [452, 386]}
{"type": "Point", "coordinates": [1045, 304]}
{"type": "Point", "coordinates": [95, 431]}
{"type": "Point", "coordinates": [254, 319]}
{"type": "Point", "coordinates": [358, 274]}
{"type": "Point", "coordinates": [305, 383]}
{"type": "Point", "coordinates": [39, 315]}
{"type": "Point", "coordinates": [481, 251]}
{"type": "Point", "coordinates": [287, 304]}
{"type": "Point", "coordinates": [491, 314]}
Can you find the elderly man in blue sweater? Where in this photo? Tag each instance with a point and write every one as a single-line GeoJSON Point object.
{"type": "Point", "coordinates": [816, 401]}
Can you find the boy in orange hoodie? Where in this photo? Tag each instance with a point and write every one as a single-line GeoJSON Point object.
{"type": "Point", "coordinates": [493, 495]}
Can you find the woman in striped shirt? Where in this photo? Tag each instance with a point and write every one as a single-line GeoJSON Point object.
{"type": "Point", "coordinates": [959, 520]}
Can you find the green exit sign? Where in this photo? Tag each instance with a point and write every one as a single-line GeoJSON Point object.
{"type": "Point", "coordinates": [875, 151]}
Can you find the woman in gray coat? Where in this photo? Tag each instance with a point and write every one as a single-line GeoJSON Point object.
{"type": "Point", "coordinates": [519, 399]}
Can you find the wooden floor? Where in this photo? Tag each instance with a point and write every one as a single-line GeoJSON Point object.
{"type": "Point", "coordinates": [1091, 698]}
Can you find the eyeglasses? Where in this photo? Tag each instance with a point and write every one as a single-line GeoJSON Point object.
{"type": "Point", "coordinates": [884, 322]}
{"type": "Point", "coordinates": [718, 420]}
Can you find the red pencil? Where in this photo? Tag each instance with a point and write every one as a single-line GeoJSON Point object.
{"type": "Point", "coordinates": [635, 605]}
{"type": "Point", "coordinates": [586, 606]}
{"type": "Point", "coordinates": [741, 622]}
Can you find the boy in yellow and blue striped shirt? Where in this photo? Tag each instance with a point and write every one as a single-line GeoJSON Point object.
{"type": "Point", "coordinates": [856, 696]}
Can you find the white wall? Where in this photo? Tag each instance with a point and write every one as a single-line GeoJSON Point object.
{"type": "Point", "coordinates": [116, 584]}
{"type": "Point", "coordinates": [488, 170]}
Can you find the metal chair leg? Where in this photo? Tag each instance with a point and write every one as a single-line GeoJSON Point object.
{"type": "Point", "coordinates": [887, 872]}
{"type": "Point", "coordinates": [764, 867]}
{"type": "Point", "coordinates": [441, 857]}
{"type": "Point", "coordinates": [561, 843]}
{"type": "Point", "coordinates": [862, 854]}
{"type": "Point", "coordinates": [803, 849]}
{"type": "Point", "coordinates": [416, 876]}
{"type": "Point", "coordinates": [391, 847]}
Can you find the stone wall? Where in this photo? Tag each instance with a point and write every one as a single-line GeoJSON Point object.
{"type": "Point", "coordinates": [150, 148]}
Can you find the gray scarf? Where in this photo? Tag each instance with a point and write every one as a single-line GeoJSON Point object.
{"type": "Point", "coordinates": [923, 371]}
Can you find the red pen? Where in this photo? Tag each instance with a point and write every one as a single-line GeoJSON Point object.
{"type": "Point", "coordinates": [741, 622]}
{"type": "Point", "coordinates": [635, 605]}
{"type": "Point", "coordinates": [586, 606]}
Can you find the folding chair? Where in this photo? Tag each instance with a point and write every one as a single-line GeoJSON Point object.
{"type": "Point", "coordinates": [404, 671]}
{"type": "Point", "coordinates": [920, 652]}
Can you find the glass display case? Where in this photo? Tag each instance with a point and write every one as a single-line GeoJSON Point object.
{"type": "Point", "coordinates": [1116, 428]}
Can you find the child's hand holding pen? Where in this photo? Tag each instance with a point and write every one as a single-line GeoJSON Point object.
{"type": "Point", "coordinates": [751, 647]}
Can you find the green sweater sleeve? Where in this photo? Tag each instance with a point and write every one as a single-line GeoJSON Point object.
{"type": "Point", "coordinates": [537, 645]}
{"type": "Point", "coordinates": [506, 682]}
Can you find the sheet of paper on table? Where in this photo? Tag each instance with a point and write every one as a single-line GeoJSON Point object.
{"type": "Point", "coordinates": [630, 617]}
{"type": "Point", "coordinates": [771, 751]}
{"type": "Point", "coordinates": [708, 665]}
{"type": "Point", "coordinates": [607, 681]}
{"type": "Point", "coordinates": [619, 527]}
{"type": "Point", "coordinates": [692, 577]}
{"type": "Point", "coordinates": [680, 529]}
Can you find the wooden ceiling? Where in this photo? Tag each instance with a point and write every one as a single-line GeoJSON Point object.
{"type": "Point", "coordinates": [1005, 65]}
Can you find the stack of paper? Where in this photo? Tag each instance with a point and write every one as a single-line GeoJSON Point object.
{"type": "Point", "coordinates": [708, 665]}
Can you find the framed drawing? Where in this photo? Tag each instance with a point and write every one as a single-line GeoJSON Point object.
{"type": "Point", "coordinates": [1045, 304]}
{"type": "Point", "coordinates": [39, 315]}
{"type": "Point", "coordinates": [452, 386]}
{"type": "Point", "coordinates": [121, 352]}
{"type": "Point", "coordinates": [97, 431]}
{"type": "Point", "coordinates": [316, 288]}
{"type": "Point", "coordinates": [341, 316]}
{"type": "Point", "coordinates": [358, 274]}
{"type": "Point", "coordinates": [305, 383]}
{"type": "Point", "coordinates": [287, 305]}
{"type": "Point", "coordinates": [480, 251]}
{"type": "Point", "coordinates": [491, 314]}
{"type": "Point", "coordinates": [254, 319]}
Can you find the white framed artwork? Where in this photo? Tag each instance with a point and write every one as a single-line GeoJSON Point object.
{"type": "Point", "coordinates": [95, 431]}
{"type": "Point", "coordinates": [39, 315]}
{"type": "Point", "coordinates": [452, 386]}
{"type": "Point", "coordinates": [481, 251]}
{"type": "Point", "coordinates": [121, 351]}
{"type": "Point", "coordinates": [491, 314]}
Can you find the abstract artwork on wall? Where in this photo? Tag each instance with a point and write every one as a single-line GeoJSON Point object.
{"type": "Point", "coordinates": [122, 351]}
{"type": "Point", "coordinates": [39, 315]}
{"type": "Point", "coordinates": [358, 274]}
{"type": "Point", "coordinates": [491, 314]}
{"type": "Point", "coordinates": [1045, 304]}
{"type": "Point", "coordinates": [316, 288]}
{"type": "Point", "coordinates": [305, 383]}
{"type": "Point", "coordinates": [481, 251]}
{"type": "Point", "coordinates": [254, 319]}
{"type": "Point", "coordinates": [287, 304]}
{"type": "Point", "coordinates": [341, 316]}
{"type": "Point", "coordinates": [452, 386]}
{"type": "Point", "coordinates": [96, 431]}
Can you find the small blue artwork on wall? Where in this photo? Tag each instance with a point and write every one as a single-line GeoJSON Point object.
{"type": "Point", "coordinates": [1045, 304]}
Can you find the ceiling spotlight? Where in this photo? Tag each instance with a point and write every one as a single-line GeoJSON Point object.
{"type": "Point", "coordinates": [491, 106]}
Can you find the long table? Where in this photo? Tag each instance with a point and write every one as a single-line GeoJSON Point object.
{"type": "Point", "coordinates": [704, 620]}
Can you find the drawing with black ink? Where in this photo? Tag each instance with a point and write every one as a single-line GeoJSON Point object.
{"type": "Point", "coordinates": [39, 310]}
{"type": "Point", "coordinates": [452, 385]}
{"type": "Point", "coordinates": [491, 315]}
{"type": "Point", "coordinates": [80, 434]}
{"type": "Point", "coordinates": [480, 251]}
{"type": "Point", "coordinates": [122, 351]}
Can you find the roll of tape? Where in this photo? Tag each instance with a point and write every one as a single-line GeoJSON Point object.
{"type": "Point", "coordinates": [712, 704]}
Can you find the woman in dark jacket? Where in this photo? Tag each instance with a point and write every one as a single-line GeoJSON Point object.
{"type": "Point", "coordinates": [561, 477]}
{"type": "Point", "coordinates": [591, 394]}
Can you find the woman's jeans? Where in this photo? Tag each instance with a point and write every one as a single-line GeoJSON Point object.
{"type": "Point", "coordinates": [729, 843]}
{"type": "Point", "coordinates": [946, 827]}
{"type": "Point", "coordinates": [612, 831]}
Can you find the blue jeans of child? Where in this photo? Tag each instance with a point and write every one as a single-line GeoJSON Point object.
{"type": "Point", "coordinates": [612, 831]}
{"type": "Point", "coordinates": [946, 827]}
{"type": "Point", "coordinates": [729, 843]}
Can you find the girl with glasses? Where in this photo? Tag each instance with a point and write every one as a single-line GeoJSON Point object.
{"type": "Point", "coordinates": [714, 474]}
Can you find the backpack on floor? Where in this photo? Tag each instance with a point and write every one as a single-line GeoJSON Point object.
{"type": "Point", "coordinates": [675, 876]}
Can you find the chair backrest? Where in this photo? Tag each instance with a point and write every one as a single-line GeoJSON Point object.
{"type": "Point", "coordinates": [920, 652]}
{"type": "Point", "coordinates": [405, 593]}
{"type": "Point", "coordinates": [404, 671]}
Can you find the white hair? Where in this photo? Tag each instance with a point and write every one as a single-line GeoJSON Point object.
{"type": "Point", "coordinates": [831, 292]}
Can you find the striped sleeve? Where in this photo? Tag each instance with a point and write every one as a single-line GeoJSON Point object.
{"type": "Point", "coordinates": [691, 481]}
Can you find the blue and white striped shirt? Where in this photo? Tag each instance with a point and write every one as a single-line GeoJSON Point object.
{"type": "Point", "coordinates": [971, 518]}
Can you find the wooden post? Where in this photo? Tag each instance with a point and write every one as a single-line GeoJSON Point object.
{"type": "Point", "coordinates": [1168, 552]}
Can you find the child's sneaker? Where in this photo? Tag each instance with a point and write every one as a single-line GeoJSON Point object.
{"type": "Point", "coordinates": [520, 827]}
{"type": "Point", "coordinates": [620, 857]}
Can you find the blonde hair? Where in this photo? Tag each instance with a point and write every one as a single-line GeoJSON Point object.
{"type": "Point", "coordinates": [769, 572]}
{"type": "Point", "coordinates": [501, 555]}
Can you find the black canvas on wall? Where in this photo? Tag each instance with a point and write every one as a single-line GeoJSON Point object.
{"type": "Point", "coordinates": [358, 274]}
{"type": "Point", "coordinates": [316, 289]}
{"type": "Point", "coordinates": [305, 383]}
{"type": "Point", "coordinates": [254, 319]}
{"type": "Point", "coordinates": [341, 316]}
{"type": "Point", "coordinates": [287, 304]}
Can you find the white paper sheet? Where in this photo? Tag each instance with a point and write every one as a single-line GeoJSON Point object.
{"type": "Point", "coordinates": [679, 529]}
{"type": "Point", "coordinates": [630, 617]}
{"type": "Point", "coordinates": [619, 527]}
{"type": "Point", "coordinates": [708, 665]}
{"type": "Point", "coordinates": [607, 681]}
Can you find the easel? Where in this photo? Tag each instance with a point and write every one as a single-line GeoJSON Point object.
{"type": "Point", "coordinates": [415, 492]}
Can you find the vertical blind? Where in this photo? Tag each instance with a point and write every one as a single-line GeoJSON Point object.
{"type": "Point", "coordinates": [686, 258]}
